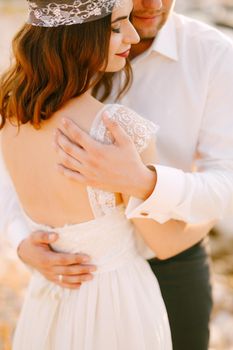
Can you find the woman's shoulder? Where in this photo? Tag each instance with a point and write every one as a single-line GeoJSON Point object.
{"type": "Point", "coordinates": [127, 115]}
{"type": "Point", "coordinates": [139, 129]}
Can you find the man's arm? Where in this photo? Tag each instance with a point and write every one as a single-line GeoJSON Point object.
{"type": "Point", "coordinates": [114, 168]}
{"type": "Point", "coordinates": [165, 240]}
{"type": "Point", "coordinates": [193, 197]}
{"type": "Point", "coordinates": [171, 238]}
{"type": "Point", "coordinates": [207, 193]}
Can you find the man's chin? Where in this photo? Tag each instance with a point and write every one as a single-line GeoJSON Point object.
{"type": "Point", "coordinates": [150, 33]}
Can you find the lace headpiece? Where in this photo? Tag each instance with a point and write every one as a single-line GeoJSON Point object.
{"type": "Point", "coordinates": [44, 13]}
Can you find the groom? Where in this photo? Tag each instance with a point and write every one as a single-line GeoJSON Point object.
{"type": "Point", "coordinates": [183, 79]}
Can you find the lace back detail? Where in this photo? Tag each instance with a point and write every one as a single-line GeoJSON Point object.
{"type": "Point", "coordinates": [140, 131]}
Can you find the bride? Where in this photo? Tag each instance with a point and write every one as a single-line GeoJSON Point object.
{"type": "Point", "coordinates": [60, 55]}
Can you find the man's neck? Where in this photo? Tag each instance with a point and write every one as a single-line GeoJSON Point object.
{"type": "Point", "coordinates": [141, 47]}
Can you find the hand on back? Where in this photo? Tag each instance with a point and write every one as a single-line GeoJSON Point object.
{"type": "Point", "coordinates": [36, 252]}
{"type": "Point", "coordinates": [115, 168]}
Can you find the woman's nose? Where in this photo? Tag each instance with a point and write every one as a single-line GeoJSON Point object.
{"type": "Point", "coordinates": [132, 36]}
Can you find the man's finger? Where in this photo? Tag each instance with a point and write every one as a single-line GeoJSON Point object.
{"type": "Point", "coordinates": [68, 146]}
{"type": "Point", "coordinates": [72, 175]}
{"type": "Point", "coordinates": [70, 286]}
{"type": "Point", "coordinates": [74, 270]}
{"type": "Point", "coordinates": [77, 135]}
{"type": "Point", "coordinates": [63, 285]}
{"type": "Point", "coordinates": [118, 133]}
{"type": "Point", "coordinates": [40, 237]}
{"type": "Point", "coordinates": [75, 279]}
{"type": "Point", "coordinates": [69, 162]}
{"type": "Point", "coordinates": [65, 259]}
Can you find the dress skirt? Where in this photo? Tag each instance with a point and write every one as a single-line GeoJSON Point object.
{"type": "Point", "coordinates": [120, 309]}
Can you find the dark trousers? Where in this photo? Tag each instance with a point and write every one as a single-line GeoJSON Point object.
{"type": "Point", "coordinates": [185, 285]}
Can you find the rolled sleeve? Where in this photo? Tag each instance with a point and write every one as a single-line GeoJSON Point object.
{"type": "Point", "coordinates": [167, 195]}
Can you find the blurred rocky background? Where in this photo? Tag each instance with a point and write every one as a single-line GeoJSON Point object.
{"type": "Point", "coordinates": [13, 274]}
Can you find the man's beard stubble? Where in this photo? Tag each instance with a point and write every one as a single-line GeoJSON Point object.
{"type": "Point", "coordinates": [151, 33]}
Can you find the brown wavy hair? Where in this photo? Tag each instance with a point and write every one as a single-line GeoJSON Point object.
{"type": "Point", "coordinates": [54, 65]}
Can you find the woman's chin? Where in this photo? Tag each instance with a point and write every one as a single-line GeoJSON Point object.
{"type": "Point", "coordinates": [116, 67]}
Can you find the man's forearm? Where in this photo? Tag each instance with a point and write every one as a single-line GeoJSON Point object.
{"type": "Point", "coordinates": [189, 197]}
{"type": "Point", "coordinates": [173, 237]}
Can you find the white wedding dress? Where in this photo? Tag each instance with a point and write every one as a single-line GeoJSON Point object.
{"type": "Point", "coordinates": [122, 307]}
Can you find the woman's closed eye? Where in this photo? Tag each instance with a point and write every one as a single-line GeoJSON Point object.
{"type": "Point", "coordinates": [116, 24]}
{"type": "Point", "coordinates": [116, 30]}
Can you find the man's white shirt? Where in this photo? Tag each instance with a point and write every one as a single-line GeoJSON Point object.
{"type": "Point", "coordinates": [183, 83]}
{"type": "Point", "coordinates": [12, 222]}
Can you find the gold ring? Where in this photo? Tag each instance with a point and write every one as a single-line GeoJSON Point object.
{"type": "Point", "coordinates": [60, 278]}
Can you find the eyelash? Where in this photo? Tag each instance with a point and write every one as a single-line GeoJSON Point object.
{"type": "Point", "coordinates": [116, 30]}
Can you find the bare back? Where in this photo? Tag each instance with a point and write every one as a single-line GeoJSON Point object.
{"type": "Point", "coordinates": [47, 196]}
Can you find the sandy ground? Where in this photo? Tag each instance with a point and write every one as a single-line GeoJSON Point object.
{"type": "Point", "coordinates": [14, 276]}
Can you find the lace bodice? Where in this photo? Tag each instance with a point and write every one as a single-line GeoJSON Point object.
{"type": "Point", "coordinates": [139, 129]}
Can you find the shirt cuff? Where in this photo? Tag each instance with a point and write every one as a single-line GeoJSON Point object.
{"type": "Point", "coordinates": [17, 231]}
{"type": "Point", "coordinates": [167, 195]}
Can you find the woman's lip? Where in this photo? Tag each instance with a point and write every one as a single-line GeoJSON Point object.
{"type": "Point", "coordinates": [124, 54]}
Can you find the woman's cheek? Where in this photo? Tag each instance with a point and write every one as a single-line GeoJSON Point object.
{"type": "Point", "coordinates": [115, 44]}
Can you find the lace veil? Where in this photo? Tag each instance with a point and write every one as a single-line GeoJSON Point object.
{"type": "Point", "coordinates": [48, 13]}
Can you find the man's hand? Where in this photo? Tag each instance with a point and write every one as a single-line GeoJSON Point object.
{"type": "Point", "coordinates": [114, 168]}
{"type": "Point", "coordinates": [35, 251]}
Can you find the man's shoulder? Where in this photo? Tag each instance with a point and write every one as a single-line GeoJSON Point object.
{"type": "Point", "coordinates": [200, 33]}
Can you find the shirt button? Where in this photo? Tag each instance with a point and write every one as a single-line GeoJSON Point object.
{"type": "Point", "coordinates": [144, 214]}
